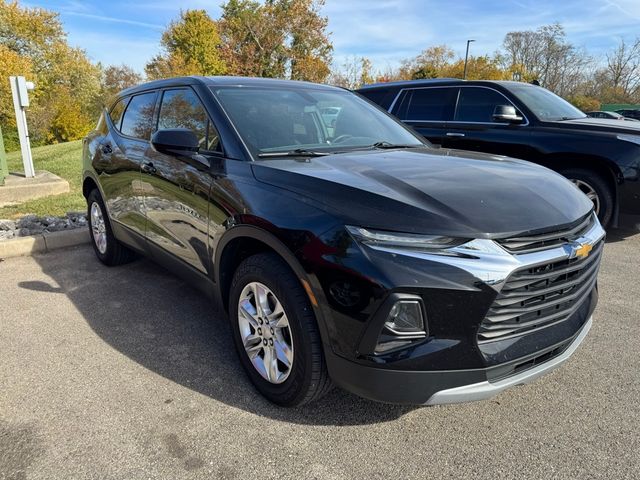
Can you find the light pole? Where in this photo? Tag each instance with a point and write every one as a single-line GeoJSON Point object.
{"type": "Point", "coordinates": [466, 59]}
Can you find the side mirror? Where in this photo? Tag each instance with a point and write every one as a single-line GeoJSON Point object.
{"type": "Point", "coordinates": [176, 141]}
{"type": "Point", "coordinates": [506, 113]}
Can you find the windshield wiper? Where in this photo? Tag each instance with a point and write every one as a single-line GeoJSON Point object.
{"type": "Point", "coordinates": [385, 144]}
{"type": "Point", "coordinates": [298, 152]}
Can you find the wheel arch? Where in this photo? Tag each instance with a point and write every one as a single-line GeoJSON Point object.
{"type": "Point", "coordinates": [242, 241]}
{"type": "Point", "coordinates": [88, 185]}
{"type": "Point", "coordinates": [602, 166]}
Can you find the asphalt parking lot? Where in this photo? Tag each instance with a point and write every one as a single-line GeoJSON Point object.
{"type": "Point", "coordinates": [129, 373]}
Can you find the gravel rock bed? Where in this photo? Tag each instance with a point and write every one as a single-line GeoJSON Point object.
{"type": "Point", "coordinates": [33, 225]}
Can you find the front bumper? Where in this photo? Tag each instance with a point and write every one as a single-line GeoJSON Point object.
{"type": "Point", "coordinates": [449, 386]}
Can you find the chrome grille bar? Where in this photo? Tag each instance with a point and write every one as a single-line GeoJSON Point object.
{"type": "Point", "coordinates": [533, 243]}
{"type": "Point", "coordinates": [539, 296]}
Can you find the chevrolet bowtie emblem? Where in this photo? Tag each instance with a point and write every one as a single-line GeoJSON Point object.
{"type": "Point", "coordinates": [582, 250]}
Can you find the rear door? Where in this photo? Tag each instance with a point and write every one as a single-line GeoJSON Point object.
{"type": "Point", "coordinates": [473, 127]}
{"type": "Point", "coordinates": [122, 153]}
{"type": "Point", "coordinates": [426, 110]}
{"type": "Point", "coordinates": [176, 188]}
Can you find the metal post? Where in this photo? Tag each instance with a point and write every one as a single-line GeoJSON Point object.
{"type": "Point", "coordinates": [466, 59]}
{"type": "Point", "coordinates": [4, 171]}
{"type": "Point", "coordinates": [19, 89]}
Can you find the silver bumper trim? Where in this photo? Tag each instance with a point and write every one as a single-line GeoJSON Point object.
{"type": "Point", "coordinates": [486, 389]}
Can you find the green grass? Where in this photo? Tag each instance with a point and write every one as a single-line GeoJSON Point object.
{"type": "Point", "coordinates": [64, 160]}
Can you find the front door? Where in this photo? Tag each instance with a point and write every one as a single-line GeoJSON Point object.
{"type": "Point", "coordinates": [474, 129]}
{"type": "Point", "coordinates": [176, 200]}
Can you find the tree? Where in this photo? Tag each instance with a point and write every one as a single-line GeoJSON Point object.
{"type": "Point", "coordinates": [118, 77]}
{"type": "Point", "coordinates": [355, 73]}
{"type": "Point", "coordinates": [114, 79]}
{"type": "Point", "coordinates": [584, 103]}
{"type": "Point", "coordinates": [33, 43]}
{"type": "Point", "coordinates": [622, 73]}
{"type": "Point", "coordinates": [428, 64]}
{"type": "Point", "coordinates": [191, 46]}
{"type": "Point", "coordinates": [280, 38]}
{"type": "Point", "coordinates": [253, 39]}
{"type": "Point", "coordinates": [483, 67]}
{"type": "Point", "coordinates": [546, 55]}
{"type": "Point", "coordinates": [308, 47]}
{"type": "Point", "coordinates": [29, 32]}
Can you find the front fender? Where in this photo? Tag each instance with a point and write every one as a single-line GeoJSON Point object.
{"type": "Point", "coordinates": [308, 281]}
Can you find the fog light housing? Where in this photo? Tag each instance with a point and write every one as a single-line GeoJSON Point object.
{"type": "Point", "coordinates": [404, 324]}
{"type": "Point", "coordinates": [405, 318]}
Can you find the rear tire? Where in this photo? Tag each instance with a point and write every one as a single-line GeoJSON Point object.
{"type": "Point", "coordinates": [107, 248]}
{"type": "Point", "coordinates": [302, 376]}
{"type": "Point", "coordinates": [596, 188]}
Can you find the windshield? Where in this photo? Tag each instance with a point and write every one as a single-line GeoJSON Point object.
{"type": "Point", "coordinates": [298, 120]}
{"type": "Point", "coordinates": [546, 105]}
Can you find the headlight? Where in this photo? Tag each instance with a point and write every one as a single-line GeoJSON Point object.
{"type": "Point", "coordinates": [432, 244]}
{"type": "Point", "coordinates": [630, 138]}
{"type": "Point", "coordinates": [411, 241]}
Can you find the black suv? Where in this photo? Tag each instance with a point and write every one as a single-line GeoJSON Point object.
{"type": "Point", "coordinates": [630, 113]}
{"type": "Point", "coordinates": [340, 244]}
{"type": "Point", "coordinates": [602, 157]}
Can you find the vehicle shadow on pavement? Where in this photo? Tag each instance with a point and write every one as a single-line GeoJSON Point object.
{"type": "Point", "coordinates": [170, 328]}
{"type": "Point", "coordinates": [620, 234]}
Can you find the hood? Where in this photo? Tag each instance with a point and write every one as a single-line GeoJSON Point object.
{"type": "Point", "coordinates": [441, 192]}
{"type": "Point", "coordinates": [601, 124]}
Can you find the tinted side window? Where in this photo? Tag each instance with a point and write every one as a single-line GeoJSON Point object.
{"type": "Point", "coordinates": [138, 117]}
{"type": "Point", "coordinates": [182, 109]}
{"type": "Point", "coordinates": [478, 104]}
{"type": "Point", "coordinates": [117, 111]}
{"type": "Point", "coordinates": [431, 104]}
{"type": "Point", "coordinates": [376, 96]}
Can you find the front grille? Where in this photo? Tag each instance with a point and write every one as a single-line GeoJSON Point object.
{"type": "Point", "coordinates": [543, 241]}
{"type": "Point", "coordinates": [537, 297]}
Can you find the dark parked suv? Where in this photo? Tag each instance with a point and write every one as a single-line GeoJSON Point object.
{"type": "Point", "coordinates": [602, 157]}
{"type": "Point", "coordinates": [630, 113]}
{"type": "Point", "coordinates": [341, 245]}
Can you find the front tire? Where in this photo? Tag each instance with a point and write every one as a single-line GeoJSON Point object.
{"type": "Point", "coordinates": [596, 189]}
{"type": "Point", "coordinates": [107, 248]}
{"type": "Point", "coordinates": [275, 332]}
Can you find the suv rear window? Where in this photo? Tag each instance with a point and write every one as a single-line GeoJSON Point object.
{"type": "Point", "coordinates": [138, 118]}
{"type": "Point", "coordinates": [431, 104]}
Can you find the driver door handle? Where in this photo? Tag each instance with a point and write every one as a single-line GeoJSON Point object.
{"type": "Point", "coordinates": [148, 167]}
{"type": "Point", "coordinates": [455, 134]}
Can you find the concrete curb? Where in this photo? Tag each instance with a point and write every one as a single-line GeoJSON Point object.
{"type": "Point", "coordinates": [43, 242]}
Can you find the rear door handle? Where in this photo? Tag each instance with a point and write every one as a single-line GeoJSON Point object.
{"type": "Point", "coordinates": [148, 167]}
{"type": "Point", "coordinates": [455, 134]}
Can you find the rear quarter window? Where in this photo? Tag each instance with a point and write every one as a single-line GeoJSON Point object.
{"type": "Point", "coordinates": [138, 117]}
{"type": "Point", "coordinates": [117, 110]}
{"type": "Point", "coordinates": [382, 97]}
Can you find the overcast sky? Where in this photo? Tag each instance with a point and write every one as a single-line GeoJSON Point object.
{"type": "Point", "coordinates": [386, 31]}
